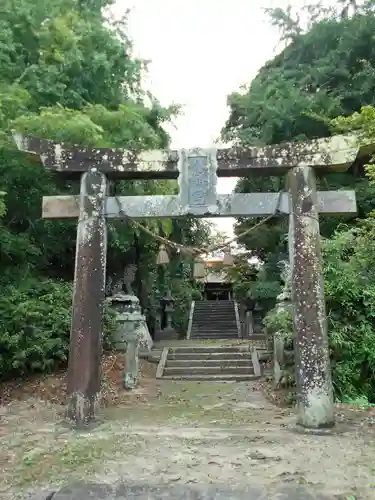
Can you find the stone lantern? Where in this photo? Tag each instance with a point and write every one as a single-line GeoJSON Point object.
{"type": "Point", "coordinates": [131, 334]}
{"type": "Point", "coordinates": [167, 305]}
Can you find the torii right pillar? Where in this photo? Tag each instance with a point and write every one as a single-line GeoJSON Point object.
{"type": "Point", "coordinates": [299, 161]}
{"type": "Point", "coordinates": [315, 402]}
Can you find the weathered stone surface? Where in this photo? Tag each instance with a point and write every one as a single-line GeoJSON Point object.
{"type": "Point", "coordinates": [88, 300]}
{"type": "Point", "coordinates": [82, 491]}
{"type": "Point", "coordinates": [73, 160]}
{"type": "Point", "coordinates": [335, 153]}
{"type": "Point", "coordinates": [313, 374]}
{"type": "Point", "coordinates": [227, 205]}
{"type": "Point", "coordinates": [198, 181]}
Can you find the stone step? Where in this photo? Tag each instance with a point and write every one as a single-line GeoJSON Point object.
{"type": "Point", "coordinates": [214, 305]}
{"type": "Point", "coordinates": [222, 338]}
{"type": "Point", "coordinates": [215, 321]}
{"type": "Point", "coordinates": [203, 357]}
{"type": "Point", "coordinates": [214, 324]}
{"type": "Point", "coordinates": [215, 352]}
{"type": "Point", "coordinates": [257, 336]}
{"type": "Point", "coordinates": [213, 329]}
{"type": "Point", "coordinates": [213, 302]}
{"type": "Point", "coordinates": [214, 312]}
{"type": "Point", "coordinates": [208, 370]}
{"type": "Point", "coordinates": [215, 335]}
{"type": "Point", "coordinates": [222, 316]}
{"type": "Point", "coordinates": [205, 362]}
{"type": "Point", "coordinates": [222, 364]}
{"type": "Point", "coordinates": [213, 378]}
{"type": "Point", "coordinates": [215, 308]}
{"type": "Point", "coordinates": [209, 349]}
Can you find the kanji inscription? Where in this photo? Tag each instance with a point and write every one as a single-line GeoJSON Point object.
{"type": "Point", "coordinates": [198, 181]}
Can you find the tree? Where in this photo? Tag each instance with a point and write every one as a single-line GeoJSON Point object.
{"type": "Point", "coordinates": [324, 72]}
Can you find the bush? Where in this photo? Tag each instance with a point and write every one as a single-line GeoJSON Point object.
{"type": "Point", "coordinates": [196, 295]}
{"type": "Point", "coordinates": [350, 297]}
{"type": "Point", "coordinates": [349, 268]}
{"type": "Point", "coordinates": [280, 320]}
{"type": "Point", "coordinates": [34, 327]}
{"type": "Point", "coordinates": [266, 290]}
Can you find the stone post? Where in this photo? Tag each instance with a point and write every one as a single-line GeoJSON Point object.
{"type": "Point", "coordinates": [158, 316]}
{"type": "Point", "coordinates": [250, 304]}
{"type": "Point", "coordinates": [313, 374]}
{"type": "Point", "coordinates": [88, 301]}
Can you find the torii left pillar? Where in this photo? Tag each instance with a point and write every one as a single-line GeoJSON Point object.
{"type": "Point", "coordinates": [88, 299]}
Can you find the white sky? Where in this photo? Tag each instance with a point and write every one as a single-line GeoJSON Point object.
{"type": "Point", "coordinates": [201, 51]}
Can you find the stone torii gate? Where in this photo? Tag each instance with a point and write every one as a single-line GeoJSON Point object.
{"type": "Point", "coordinates": [197, 171]}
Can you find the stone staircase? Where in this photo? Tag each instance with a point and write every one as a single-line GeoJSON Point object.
{"type": "Point", "coordinates": [214, 319]}
{"type": "Point", "coordinates": [220, 363]}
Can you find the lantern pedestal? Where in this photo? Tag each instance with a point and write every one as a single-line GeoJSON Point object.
{"type": "Point", "coordinates": [132, 333]}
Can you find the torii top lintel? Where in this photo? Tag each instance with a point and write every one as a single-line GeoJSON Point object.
{"type": "Point", "coordinates": [335, 153]}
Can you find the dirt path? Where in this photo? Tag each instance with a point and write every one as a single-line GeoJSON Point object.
{"type": "Point", "coordinates": [189, 433]}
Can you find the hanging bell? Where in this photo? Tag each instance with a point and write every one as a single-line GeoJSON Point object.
{"type": "Point", "coordinates": [228, 259]}
{"type": "Point", "coordinates": [199, 271]}
{"type": "Point", "coordinates": [163, 257]}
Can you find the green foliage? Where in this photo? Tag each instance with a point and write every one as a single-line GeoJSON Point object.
{"type": "Point", "coordinates": [2, 203]}
{"type": "Point", "coordinates": [61, 53]}
{"type": "Point", "coordinates": [363, 125]}
{"type": "Point", "coordinates": [349, 270]}
{"type": "Point", "coordinates": [182, 292]}
{"type": "Point", "coordinates": [196, 295]}
{"type": "Point", "coordinates": [242, 275]}
{"type": "Point", "coordinates": [323, 73]}
{"type": "Point", "coordinates": [266, 290]}
{"type": "Point", "coordinates": [280, 320]}
{"type": "Point", "coordinates": [350, 295]}
{"type": "Point", "coordinates": [35, 326]}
